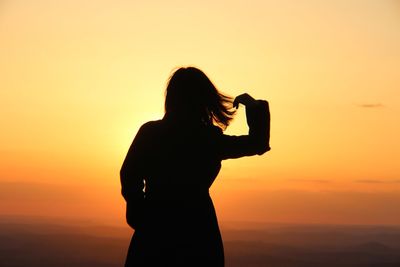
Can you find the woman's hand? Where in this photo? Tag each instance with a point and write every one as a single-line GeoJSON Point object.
{"type": "Point", "coordinates": [244, 99]}
{"type": "Point", "coordinates": [134, 213]}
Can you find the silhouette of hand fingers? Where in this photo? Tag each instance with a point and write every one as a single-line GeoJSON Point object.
{"type": "Point", "coordinates": [244, 99]}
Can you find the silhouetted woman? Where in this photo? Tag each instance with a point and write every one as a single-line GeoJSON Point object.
{"type": "Point", "coordinates": [172, 163]}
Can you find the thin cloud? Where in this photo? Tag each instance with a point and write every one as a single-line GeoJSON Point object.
{"type": "Point", "coordinates": [368, 181]}
{"type": "Point", "coordinates": [309, 180]}
{"type": "Point", "coordinates": [372, 181]}
{"type": "Point", "coordinates": [371, 105]}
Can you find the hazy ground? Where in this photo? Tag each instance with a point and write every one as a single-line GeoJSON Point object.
{"type": "Point", "coordinates": [48, 243]}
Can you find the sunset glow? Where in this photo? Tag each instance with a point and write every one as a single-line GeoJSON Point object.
{"type": "Point", "coordinates": [78, 78]}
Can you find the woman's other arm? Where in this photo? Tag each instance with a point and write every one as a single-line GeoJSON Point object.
{"type": "Point", "coordinates": [132, 176]}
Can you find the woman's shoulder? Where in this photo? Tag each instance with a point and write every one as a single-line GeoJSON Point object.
{"type": "Point", "coordinates": [150, 126]}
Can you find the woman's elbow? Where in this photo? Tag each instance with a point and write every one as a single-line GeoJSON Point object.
{"type": "Point", "coordinates": [263, 148]}
{"type": "Point", "coordinates": [124, 173]}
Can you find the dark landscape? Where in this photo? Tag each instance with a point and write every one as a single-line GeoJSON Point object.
{"type": "Point", "coordinates": [49, 242]}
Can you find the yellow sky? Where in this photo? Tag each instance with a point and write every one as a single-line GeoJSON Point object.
{"type": "Point", "coordinates": [79, 77]}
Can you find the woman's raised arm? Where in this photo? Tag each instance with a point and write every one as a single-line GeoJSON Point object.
{"type": "Point", "coordinates": [257, 141]}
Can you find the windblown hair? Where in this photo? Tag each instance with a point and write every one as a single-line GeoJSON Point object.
{"type": "Point", "coordinates": [190, 94]}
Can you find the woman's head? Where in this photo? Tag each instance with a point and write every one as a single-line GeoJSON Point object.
{"type": "Point", "coordinates": [190, 94]}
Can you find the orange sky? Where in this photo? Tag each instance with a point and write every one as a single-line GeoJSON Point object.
{"type": "Point", "coordinates": [79, 77]}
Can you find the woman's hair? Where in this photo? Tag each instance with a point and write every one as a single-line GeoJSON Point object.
{"type": "Point", "coordinates": [190, 94]}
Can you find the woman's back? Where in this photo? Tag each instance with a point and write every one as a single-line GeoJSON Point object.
{"type": "Point", "coordinates": [185, 159]}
